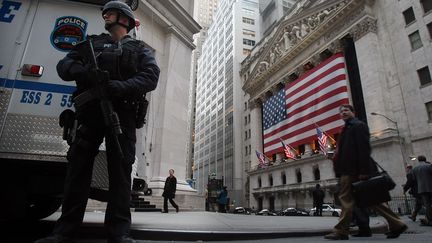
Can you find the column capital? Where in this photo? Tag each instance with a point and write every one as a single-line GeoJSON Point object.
{"type": "Point", "coordinates": [255, 103]}
{"type": "Point", "coordinates": [368, 24]}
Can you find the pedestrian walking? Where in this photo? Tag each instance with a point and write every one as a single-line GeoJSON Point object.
{"type": "Point", "coordinates": [169, 192]}
{"type": "Point", "coordinates": [352, 162]}
{"type": "Point", "coordinates": [129, 75]}
{"type": "Point", "coordinates": [423, 175]}
{"type": "Point", "coordinates": [411, 185]}
{"type": "Point", "coordinates": [222, 200]}
{"type": "Point", "coordinates": [318, 199]}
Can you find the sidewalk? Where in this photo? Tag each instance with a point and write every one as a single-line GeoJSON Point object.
{"type": "Point", "coordinates": [216, 226]}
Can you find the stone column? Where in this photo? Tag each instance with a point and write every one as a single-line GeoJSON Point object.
{"type": "Point", "coordinates": [372, 63]}
{"type": "Point", "coordinates": [168, 121]}
{"type": "Point", "coordinates": [308, 149]}
{"type": "Point", "coordinates": [371, 72]}
{"type": "Point", "coordinates": [256, 130]}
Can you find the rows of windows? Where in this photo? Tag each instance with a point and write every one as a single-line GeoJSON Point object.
{"type": "Point", "coordinates": [248, 42]}
{"type": "Point", "coordinates": [248, 21]}
{"type": "Point", "coordinates": [416, 43]}
{"type": "Point", "coordinates": [283, 178]}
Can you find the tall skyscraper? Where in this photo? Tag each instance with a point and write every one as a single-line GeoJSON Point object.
{"type": "Point", "coordinates": [219, 97]}
{"type": "Point", "coordinates": [204, 11]}
{"type": "Point", "coordinates": [272, 11]}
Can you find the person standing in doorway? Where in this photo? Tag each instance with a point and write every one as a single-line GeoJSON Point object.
{"type": "Point", "coordinates": [352, 162]}
{"type": "Point", "coordinates": [318, 199]}
{"type": "Point", "coordinates": [169, 192]}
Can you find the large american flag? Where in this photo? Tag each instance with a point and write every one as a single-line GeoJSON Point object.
{"type": "Point", "coordinates": [314, 98]}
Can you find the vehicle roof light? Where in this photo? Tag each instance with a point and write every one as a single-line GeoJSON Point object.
{"type": "Point", "coordinates": [32, 70]}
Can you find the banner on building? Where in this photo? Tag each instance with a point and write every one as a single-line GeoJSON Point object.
{"type": "Point", "coordinates": [314, 98]}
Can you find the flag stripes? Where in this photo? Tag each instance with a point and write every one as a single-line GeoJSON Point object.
{"type": "Point", "coordinates": [313, 98]}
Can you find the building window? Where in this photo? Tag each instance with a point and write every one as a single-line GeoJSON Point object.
{"type": "Point", "coordinates": [246, 150]}
{"type": "Point", "coordinates": [415, 40]}
{"type": "Point", "coordinates": [270, 180]}
{"type": "Point", "coordinates": [248, 21]}
{"type": "Point", "coordinates": [259, 182]}
{"type": "Point", "coordinates": [248, 42]}
{"type": "Point", "coordinates": [245, 106]}
{"type": "Point", "coordinates": [427, 5]}
{"type": "Point", "coordinates": [283, 177]}
{"type": "Point", "coordinates": [409, 16]}
{"type": "Point", "coordinates": [246, 51]}
{"type": "Point", "coordinates": [429, 110]}
{"type": "Point", "coordinates": [424, 75]}
{"type": "Point", "coordinates": [245, 120]}
{"type": "Point", "coordinates": [317, 174]}
{"type": "Point", "coordinates": [248, 33]}
{"type": "Point", "coordinates": [298, 176]}
{"type": "Point", "coordinates": [429, 26]}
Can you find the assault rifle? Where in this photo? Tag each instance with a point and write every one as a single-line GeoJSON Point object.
{"type": "Point", "coordinates": [111, 120]}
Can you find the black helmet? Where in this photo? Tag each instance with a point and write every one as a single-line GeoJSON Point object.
{"type": "Point", "coordinates": [122, 8]}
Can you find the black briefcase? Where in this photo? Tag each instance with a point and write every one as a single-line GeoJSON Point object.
{"type": "Point", "coordinates": [373, 191]}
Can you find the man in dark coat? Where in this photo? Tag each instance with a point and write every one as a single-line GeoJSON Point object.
{"type": "Point", "coordinates": [352, 162]}
{"type": "Point", "coordinates": [411, 185]}
{"type": "Point", "coordinates": [423, 175]}
{"type": "Point", "coordinates": [130, 71]}
{"type": "Point", "coordinates": [169, 192]}
{"type": "Point", "coordinates": [318, 199]}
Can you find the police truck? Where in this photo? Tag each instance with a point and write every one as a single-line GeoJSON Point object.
{"type": "Point", "coordinates": [35, 35]}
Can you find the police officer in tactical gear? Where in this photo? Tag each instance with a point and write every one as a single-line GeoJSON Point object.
{"type": "Point", "coordinates": [132, 72]}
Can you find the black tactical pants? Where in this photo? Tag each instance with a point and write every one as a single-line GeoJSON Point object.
{"type": "Point", "coordinates": [81, 157]}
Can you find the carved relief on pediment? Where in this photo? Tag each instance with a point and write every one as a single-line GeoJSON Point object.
{"type": "Point", "coordinates": [289, 35]}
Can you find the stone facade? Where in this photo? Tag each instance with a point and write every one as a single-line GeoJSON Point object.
{"type": "Point", "coordinates": [387, 68]}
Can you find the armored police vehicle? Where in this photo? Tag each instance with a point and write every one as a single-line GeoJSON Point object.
{"type": "Point", "coordinates": [35, 35]}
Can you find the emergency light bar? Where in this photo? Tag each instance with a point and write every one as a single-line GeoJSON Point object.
{"type": "Point", "coordinates": [32, 70]}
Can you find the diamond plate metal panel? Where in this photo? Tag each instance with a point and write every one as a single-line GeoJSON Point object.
{"type": "Point", "coordinates": [5, 95]}
{"type": "Point", "coordinates": [29, 134]}
{"type": "Point", "coordinates": [100, 172]}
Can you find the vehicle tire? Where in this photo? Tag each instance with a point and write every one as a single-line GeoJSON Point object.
{"type": "Point", "coordinates": [39, 208]}
{"type": "Point", "coordinates": [335, 214]}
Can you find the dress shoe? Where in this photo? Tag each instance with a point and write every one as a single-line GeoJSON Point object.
{"type": "Point", "coordinates": [164, 211]}
{"type": "Point", "coordinates": [123, 239]}
{"type": "Point", "coordinates": [396, 233]}
{"type": "Point", "coordinates": [55, 239]}
{"type": "Point", "coordinates": [425, 222]}
{"type": "Point", "coordinates": [177, 209]}
{"type": "Point", "coordinates": [336, 236]}
{"type": "Point", "coordinates": [363, 234]}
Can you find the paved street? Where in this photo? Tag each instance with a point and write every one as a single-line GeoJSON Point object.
{"type": "Point", "coordinates": [205, 226]}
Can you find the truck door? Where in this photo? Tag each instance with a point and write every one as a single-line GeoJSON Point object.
{"type": "Point", "coordinates": [35, 35]}
{"type": "Point", "coordinates": [43, 32]}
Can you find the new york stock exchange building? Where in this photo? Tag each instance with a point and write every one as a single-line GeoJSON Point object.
{"type": "Point", "coordinates": [375, 55]}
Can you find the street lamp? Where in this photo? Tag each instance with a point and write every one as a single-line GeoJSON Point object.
{"type": "Point", "coordinates": [398, 134]}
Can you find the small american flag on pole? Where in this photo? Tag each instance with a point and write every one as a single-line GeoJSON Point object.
{"type": "Point", "coordinates": [322, 140]}
{"type": "Point", "coordinates": [287, 150]}
{"type": "Point", "coordinates": [261, 158]}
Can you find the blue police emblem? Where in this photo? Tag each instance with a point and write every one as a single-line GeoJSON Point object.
{"type": "Point", "coordinates": [68, 31]}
